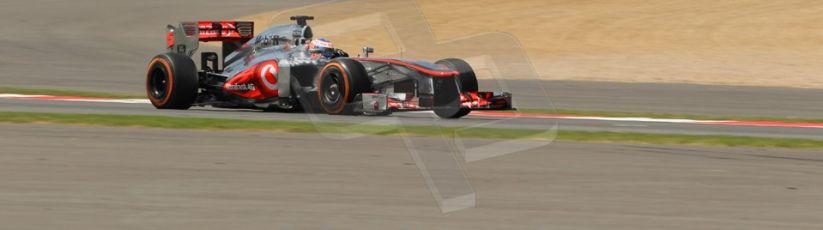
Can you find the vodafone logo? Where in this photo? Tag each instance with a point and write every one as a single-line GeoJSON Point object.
{"type": "Point", "coordinates": [268, 75]}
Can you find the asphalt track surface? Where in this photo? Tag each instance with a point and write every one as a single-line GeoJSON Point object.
{"type": "Point", "coordinates": [687, 99]}
{"type": "Point", "coordinates": [414, 118]}
{"type": "Point", "coordinates": [71, 177]}
{"type": "Point", "coordinates": [68, 177]}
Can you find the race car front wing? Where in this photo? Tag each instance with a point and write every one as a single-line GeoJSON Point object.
{"type": "Point", "coordinates": [378, 103]}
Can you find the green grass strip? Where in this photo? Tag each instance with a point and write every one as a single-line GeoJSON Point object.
{"type": "Point", "coordinates": [308, 127]}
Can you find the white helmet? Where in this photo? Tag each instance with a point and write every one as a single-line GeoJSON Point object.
{"type": "Point", "coordinates": [319, 45]}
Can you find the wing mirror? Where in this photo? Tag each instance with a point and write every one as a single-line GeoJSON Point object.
{"type": "Point", "coordinates": [367, 50]}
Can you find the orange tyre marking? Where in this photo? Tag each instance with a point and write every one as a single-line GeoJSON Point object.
{"type": "Point", "coordinates": [169, 76]}
{"type": "Point", "coordinates": [345, 82]}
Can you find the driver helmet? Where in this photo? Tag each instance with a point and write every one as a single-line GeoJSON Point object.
{"type": "Point", "coordinates": [322, 47]}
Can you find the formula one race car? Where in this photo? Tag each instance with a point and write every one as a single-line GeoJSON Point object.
{"type": "Point", "coordinates": [283, 69]}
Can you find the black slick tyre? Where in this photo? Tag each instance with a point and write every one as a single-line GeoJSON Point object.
{"type": "Point", "coordinates": [340, 81]}
{"type": "Point", "coordinates": [448, 90]}
{"type": "Point", "coordinates": [171, 81]}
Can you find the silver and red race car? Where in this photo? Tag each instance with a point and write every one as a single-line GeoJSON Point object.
{"type": "Point", "coordinates": [281, 69]}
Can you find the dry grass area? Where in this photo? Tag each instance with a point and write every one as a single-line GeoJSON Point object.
{"type": "Point", "coordinates": [732, 42]}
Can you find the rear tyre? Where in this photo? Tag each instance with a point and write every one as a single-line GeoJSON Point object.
{"type": "Point", "coordinates": [341, 80]}
{"type": "Point", "coordinates": [171, 81]}
{"type": "Point", "coordinates": [447, 92]}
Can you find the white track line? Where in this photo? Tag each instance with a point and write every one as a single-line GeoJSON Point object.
{"type": "Point", "coordinates": [478, 113]}
{"type": "Point", "coordinates": [73, 98]}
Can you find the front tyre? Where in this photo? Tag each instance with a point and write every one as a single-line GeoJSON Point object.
{"type": "Point", "coordinates": [467, 80]}
{"type": "Point", "coordinates": [171, 81]}
{"type": "Point", "coordinates": [340, 81]}
{"type": "Point", "coordinates": [447, 102]}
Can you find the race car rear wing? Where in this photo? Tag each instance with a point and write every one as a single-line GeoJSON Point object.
{"type": "Point", "coordinates": [186, 38]}
{"type": "Point", "coordinates": [224, 31]}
